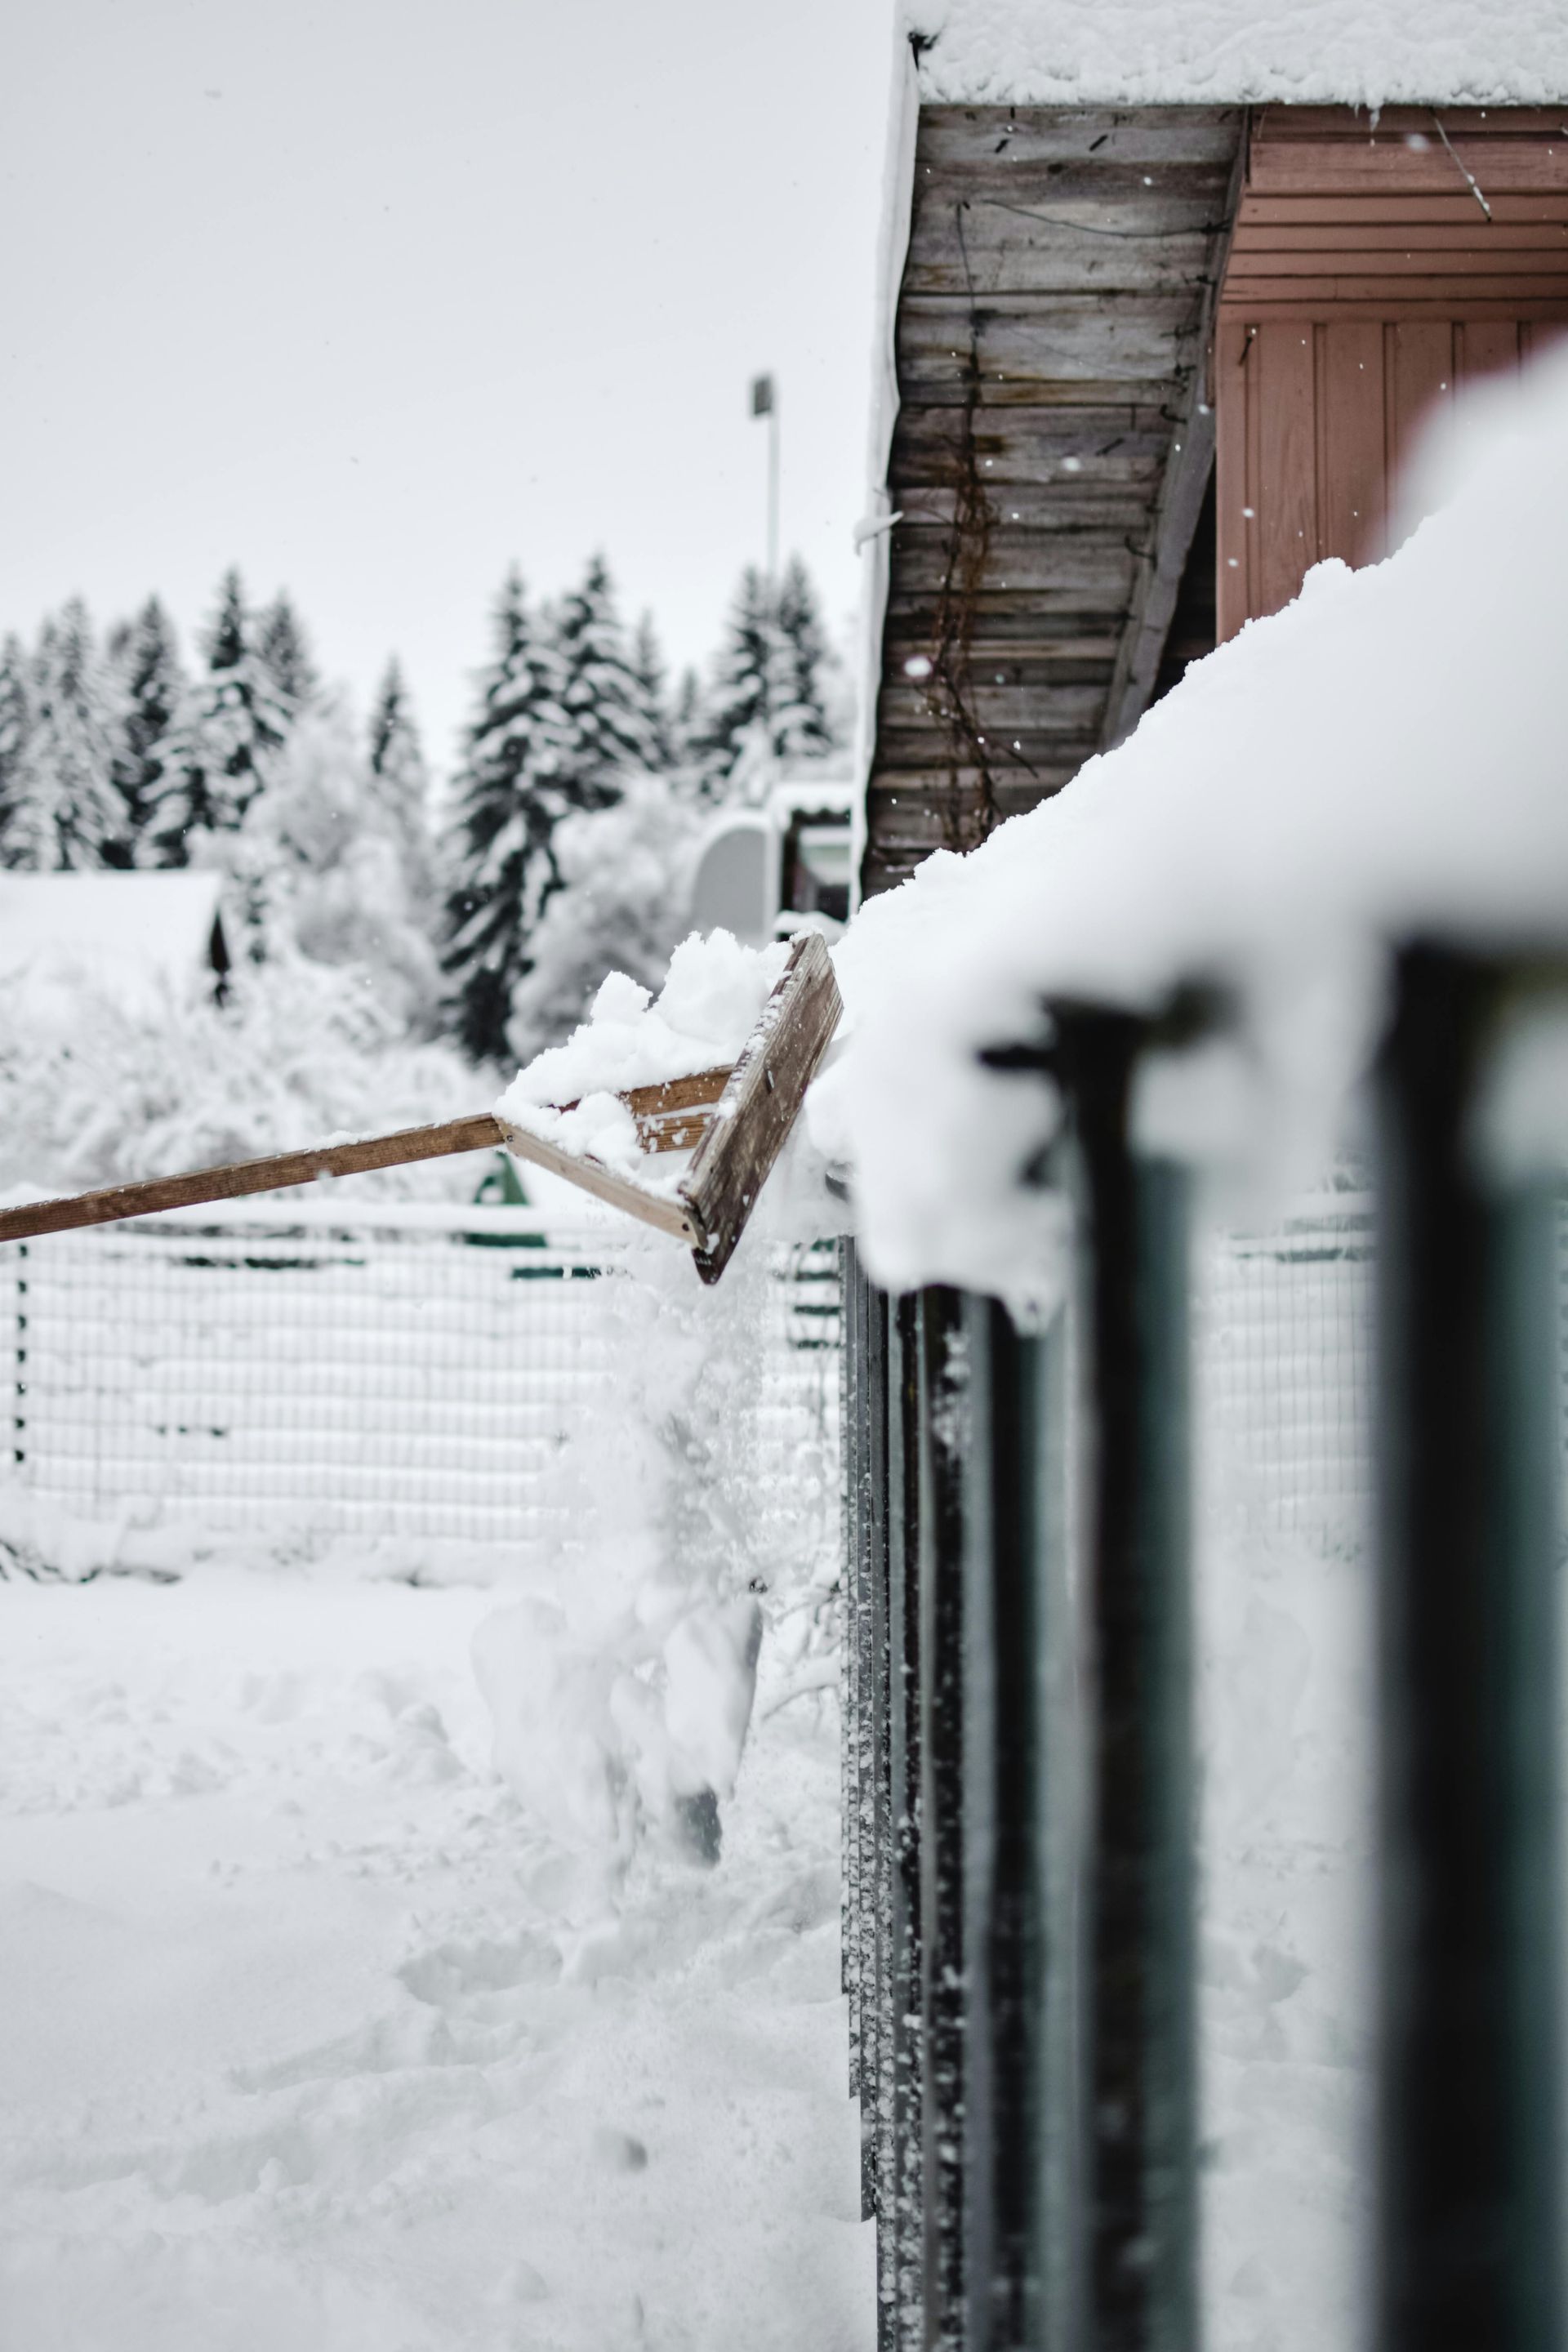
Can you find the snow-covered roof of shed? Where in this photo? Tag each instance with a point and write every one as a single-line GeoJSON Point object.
{"type": "Point", "coordinates": [1215, 52]}
{"type": "Point", "coordinates": [141, 938]}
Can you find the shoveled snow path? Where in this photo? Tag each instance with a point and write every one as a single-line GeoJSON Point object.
{"type": "Point", "coordinates": [307, 2038]}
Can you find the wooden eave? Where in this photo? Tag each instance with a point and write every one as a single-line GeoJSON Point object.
{"type": "Point", "coordinates": [1050, 453]}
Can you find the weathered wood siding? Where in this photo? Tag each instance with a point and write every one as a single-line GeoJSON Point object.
{"type": "Point", "coordinates": [1367, 280]}
{"type": "Point", "coordinates": [1051, 452]}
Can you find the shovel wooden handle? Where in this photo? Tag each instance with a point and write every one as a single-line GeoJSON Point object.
{"type": "Point", "coordinates": [670, 1118]}
{"type": "Point", "coordinates": [737, 1118]}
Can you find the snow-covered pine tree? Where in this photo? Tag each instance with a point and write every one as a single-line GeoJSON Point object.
{"type": "Point", "coordinates": [648, 669]}
{"type": "Point", "coordinates": [400, 777]}
{"type": "Point", "coordinates": [685, 715]}
{"type": "Point", "coordinates": [603, 697]}
{"type": "Point", "coordinates": [735, 719]}
{"type": "Point", "coordinates": [283, 646]}
{"type": "Point", "coordinates": [16, 718]}
{"type": "Point", "coordinates": [221, 748]}
{"type": "Point", "coordinates": [798, 719]}
{"type": "Point", "coordinates": [153, 690]}
{"type": "Point", "coordinates": [765, 703]}
{"type": "Point", "coordinates": [65, 810]}
{"type": "Point", "coordinates": [521, 774]}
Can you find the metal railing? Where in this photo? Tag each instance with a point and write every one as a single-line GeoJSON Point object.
{"type": "Point", "coordinates": [1377, 1379]}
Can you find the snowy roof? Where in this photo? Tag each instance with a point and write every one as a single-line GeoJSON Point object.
{"type": "Point", "coordinates": [143, 939]}
{"type": "Point", "coordinates": [1209, 52]}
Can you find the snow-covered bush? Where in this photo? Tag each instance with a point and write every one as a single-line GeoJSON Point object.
{"type": "Point", "coordinates": [300, 1051]}
{"type": "Point", "coordinates": [321, 866]}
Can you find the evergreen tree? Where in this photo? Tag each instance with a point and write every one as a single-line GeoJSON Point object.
{"type": "Point", "coordinates": [153, 691]}
{"type": "Point", "coordinates": [766, 702]}
{"type": "Point", "coordinates": [738, 704]}
{"type": "Point", "coordinates": [798, 717]}
{"type": "Point", "coordinates": [648, 669]}
{"type": "Point", "coordinates": [15, 719]}
{"type": "Point", "coordinates": [65, 811]}
{"type": "Point", "coordinates": [221, 749]}
{"type": "Point", "coordinates": [284, 648]}
{"type": "Point", "coordinates": [686, 720]}
{"type": "Point", "coordinates": [604, 700]}
{"type": "Point", "coordinates": [521, 774]}
{"type": "Point", "coordinates": [401, 780]}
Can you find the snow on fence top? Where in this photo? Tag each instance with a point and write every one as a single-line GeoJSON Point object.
{"type": "Point", "coordinates": [1384, 758]}
{"type": "Point", "coordinates": [1149, 53]}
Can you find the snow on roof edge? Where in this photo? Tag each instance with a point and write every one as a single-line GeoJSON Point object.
{"type": "Point", "coordinates": [1368, 53]}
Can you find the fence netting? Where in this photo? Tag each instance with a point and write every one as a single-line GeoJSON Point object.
{"type": "Point", "coordinates": [402, 1372]}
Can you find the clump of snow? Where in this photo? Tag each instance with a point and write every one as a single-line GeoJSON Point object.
{"type": "Point", "coordinates": [621, 1699]}
{"type": "Point", "coordinates": [703, 1016]}
{"type": "Point", "coordinates": [1146, 53]}
{"type": "Point", "coordinates": [1381, 759]}
{"type": "Point", "coordinates": [708, 1007]}
{"type": "Point", "coordinates": [599, 1735]}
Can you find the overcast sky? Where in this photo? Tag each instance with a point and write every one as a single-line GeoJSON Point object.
{"type": "Point", "coordinates": [373, 296]}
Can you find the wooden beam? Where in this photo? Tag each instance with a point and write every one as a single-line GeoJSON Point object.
{"type": "Point", "coordinates": [760, 1102]}
{"type": "Point", "coordinates": [1187, 470]}
{"type": "Point", "coordinates": [665, 1214]}
{"type": "Point", "coordinates": [673, 1115]}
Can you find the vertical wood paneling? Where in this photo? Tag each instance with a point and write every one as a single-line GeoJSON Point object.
{"type": "Point", "coordinates": [1236, 531]}
{"type": "Point", "coordinates": [1283, 371]}
{"type": "Point", "coordinates": [1353, 473]}
{"type": "Point", "coordinates": [1421, 374]}
{"type": "Point", "coordinates": [1486, 347]}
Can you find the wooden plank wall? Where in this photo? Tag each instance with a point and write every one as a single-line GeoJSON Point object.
{"type": "Point", "coordinates": [1050, 453]}
{"type": "Point", "coordinates": [1367, 280]}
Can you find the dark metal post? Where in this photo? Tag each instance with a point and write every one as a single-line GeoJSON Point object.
{"type": "Point", "coordinates": [876, 1970]}
{"type": "Point", "coordinates": [1470, 2224]}
{"type": "Point", "coordinates": [1022, 1929]}
{"type": "Point", "coordinates": [944, 1422]}
{"type": "Point", "coordinates": [855, 1686]}
{"type": "Point", "coordinates": [1139, 2020]}
{"type": "Point", "coordinates": [901, 2159]}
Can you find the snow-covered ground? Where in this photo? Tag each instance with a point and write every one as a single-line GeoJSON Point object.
{"type": "Point", "coordinates": [309, 2039]}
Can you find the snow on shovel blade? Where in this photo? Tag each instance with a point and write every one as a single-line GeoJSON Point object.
{"type": "Point", "coordinates": [753, 1107]}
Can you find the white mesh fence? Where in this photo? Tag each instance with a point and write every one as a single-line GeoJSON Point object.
{"type": "Point", "coordinates": [1283, 1377]}
{"type": "Point", "coordinates": [404, 1372]}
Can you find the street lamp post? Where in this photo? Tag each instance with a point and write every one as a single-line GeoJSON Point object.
{"type": "Point", "coordinates": [765, 403]}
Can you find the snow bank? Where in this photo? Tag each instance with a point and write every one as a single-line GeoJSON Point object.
{"type": "Point", "coordinates": [305, 2040]}
{"type": "Point", "coordinates": [1382, 758]}
{"type": "Point", "coordinates": [1146, 53]}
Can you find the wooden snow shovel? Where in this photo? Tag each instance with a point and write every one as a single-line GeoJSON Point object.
{"type": "Point", "coordinates": [737, 1118]}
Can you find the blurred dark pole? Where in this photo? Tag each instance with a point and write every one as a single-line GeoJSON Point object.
{"type": "Point", "coordinates": [1138, 2018]}
{"type": "Point", "coordinates": [944, 1436]}
{"type": "Point", "coordinates": [1470, 2106]}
